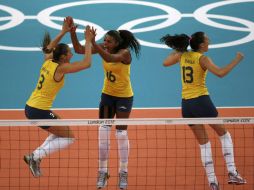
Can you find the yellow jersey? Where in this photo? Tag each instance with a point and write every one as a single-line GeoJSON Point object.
{"type": "Point", "coordinates": [117, 79]}
{"type": "Point", "coordinates": [193, 76]}
{"type": "Point", "coordinates": [47, 88]}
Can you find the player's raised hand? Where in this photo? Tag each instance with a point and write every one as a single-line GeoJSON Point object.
{"type": "Point", "coordinates": [88, 34]}
{"type": "Point", "coordinates": [65, 26]}
{"type": "Point", "coordinates": [239, 56]}
{"type": "Point", "coordinates": [71, 24]}
{"type": "Point", "coordinates": [93, 31]}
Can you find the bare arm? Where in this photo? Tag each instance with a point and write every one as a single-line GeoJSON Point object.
{"type": "Point", "coordinates": [53, 43]}
{"type": "Point", "coordinates": [83, 64]}
{"type": "Point", "coordinates": [78, 48]}
{"type": "Point", "coordinates": [207, 63]}
{"type": "Point", "coordinates": [172, 59]}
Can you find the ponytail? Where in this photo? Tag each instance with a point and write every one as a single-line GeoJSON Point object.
{"type": "Point", "coordinates": [177, 42]}
{"type": "Point", "coordinates": [60, 49]}
{"type": "Point", "coordinates": [182, 41]}
{"type": "Point", "coordinates": [130, 41]}
{"type": "Point", "coordinates": [45, 42]}
{"type": "Point", "coordinates": [126, 40]}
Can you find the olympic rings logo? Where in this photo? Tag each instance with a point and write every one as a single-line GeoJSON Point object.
{"type": "Point", "coordinates": [171, 16]}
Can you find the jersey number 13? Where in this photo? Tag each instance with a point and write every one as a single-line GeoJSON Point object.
{"type": "Point", "coordinates": [187, 74]}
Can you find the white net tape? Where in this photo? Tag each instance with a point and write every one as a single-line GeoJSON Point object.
{"type": "Point", "coordinates": [136, 121]}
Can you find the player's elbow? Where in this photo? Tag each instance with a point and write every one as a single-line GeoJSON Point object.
{"type": "Point", "coordinates": [88, 65]}
{"type": "Point", "coordinates": [220, 74]}
{"type": "Point", "coordinates": [164, 64]}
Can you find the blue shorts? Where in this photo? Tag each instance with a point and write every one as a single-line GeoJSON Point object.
{"type": "Point", "coordinates": [118, 103]}
{"type": "Point", "coordinates": [201, 106]}
{"type": "Point", "coordinates": [34, 113]}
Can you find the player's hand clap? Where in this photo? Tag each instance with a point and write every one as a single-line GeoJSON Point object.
{"type": "Point", "coordinates": [89, 36]}
{"type": "Point", "coordinates": [66, 28]}
{"type": "Point", "coordinates": [93, 31]}
{"type": "Point", "coordinates": [71, 24]}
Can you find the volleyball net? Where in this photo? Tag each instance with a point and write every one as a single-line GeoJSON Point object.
{"type": "Point", "coordinates": [164, 154]}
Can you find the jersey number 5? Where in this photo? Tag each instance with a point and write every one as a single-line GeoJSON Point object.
{"type": "Point", "coordinates": [42, 78]}
{"type": "Point", "coordinates": [187, 74]}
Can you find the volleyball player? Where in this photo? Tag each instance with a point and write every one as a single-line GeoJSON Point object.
{"type": "Point", "coordinates": [196, 101]}
{"type": "Point", "coordinates": [116, 97]}
{"type": "Point", "coordinates": [56, 65]}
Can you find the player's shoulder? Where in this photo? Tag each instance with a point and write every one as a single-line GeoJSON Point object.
{"type": "Point", "coordinates": [124, 51]}
{"type": "Point", "coordinates": [177, 54]}
{"type": "Point", "coordinates": [204, 57]}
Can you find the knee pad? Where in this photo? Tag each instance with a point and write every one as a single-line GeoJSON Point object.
{"type": "Point", "coordinates": [121, 134]}
{"type": "Point", "coordinates": [123, 146]}
{"type": "Point", "coordinates": [104, 134]}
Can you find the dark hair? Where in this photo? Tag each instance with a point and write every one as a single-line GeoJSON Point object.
{"type": "Point", "coordinates": [60, 49]}
{"type": "Point", "coordinates": [196, 39]}
{"type": "Point", "coordinates": [126, 40]}
{"type": "Point", "coordinates": [180, 42]}
{"type": "Point", "coordinates": [45, 42]}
